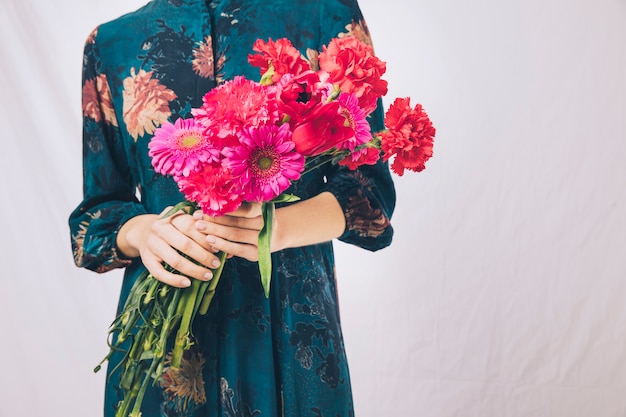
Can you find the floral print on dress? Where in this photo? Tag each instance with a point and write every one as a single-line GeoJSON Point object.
{"type": "Point", "coordinates": [183, 388]}
{"type": "Point", "coordinates": [146, 103]}
{"type": "Point", "coordinates": [97, 101]}
{"type": "Point", "coordinates": [203, 63]}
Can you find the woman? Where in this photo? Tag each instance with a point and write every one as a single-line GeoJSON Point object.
{"type": "Point", "coordinates": [253, 356]}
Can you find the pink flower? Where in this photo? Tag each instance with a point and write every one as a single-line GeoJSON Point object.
{"type": "Point", "coordinates": [229, 107]}
{"type": "Point", "coordinates": [179, 148]}
{"type": "Point", "coordinates": [352, 65]}
{"type": "Point", "coordinates": [213, 188]}
{"type": "Point", "coordinates": [281, 55]}
{"type": "Point", "coordinates": [265, 161]}
{"type": "Point", "coordinates": [356, 119]}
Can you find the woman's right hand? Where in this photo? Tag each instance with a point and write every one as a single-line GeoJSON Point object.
{"type": "Point", "coordinates": [157, 240]}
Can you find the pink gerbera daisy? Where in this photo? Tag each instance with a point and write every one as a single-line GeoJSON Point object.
{"type": "Point", "coordinates": [177, 149]}
{"type": "Point", "coordinates": [356, 119]}
{"type": "Point", "coordinates": [266, 161]}
{"type": "Point", "coordinates": [213, 188]}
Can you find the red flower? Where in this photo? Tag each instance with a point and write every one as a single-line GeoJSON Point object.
{"type": "Point", "coordinates": [324, 130]}
{"type": "Point", "coordinates": [231, 106]}
{"type": "Point", "coordinates": [352, 65]}
{"type": "Point", "coordinates": [365, 156]}
{"type": "Point", "coordinates": [214, 188]}
{"type": "Point", "coordinates": [297, 96]}
{"type": "Point", "coordinates": [409, 137]}
{"type": "Point", "coordinates": [281, 55]}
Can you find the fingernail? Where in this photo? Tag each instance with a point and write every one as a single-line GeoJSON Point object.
{"type": "Point", "coordinates": [210, 239]}
{"type": "Point", "coordinates": [208, 276]}
{"type": "Point", "coordinates": [185, 282]}
{"type": "Point", "coordinates": [215, 263]}
{"type": "Point", "coordinates": [197, 215]}
{"type": "Point", "coordinates": [200, 226]}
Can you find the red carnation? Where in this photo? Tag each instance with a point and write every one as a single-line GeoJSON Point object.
{"type": "Point", "coordinates": [281, 55]}
{"type": "Point", "coordinates": [409, 136]}
{"type": "Point", "coordinates": [351, 64]}
{"type": "Point", "coordinates": [365, 156]}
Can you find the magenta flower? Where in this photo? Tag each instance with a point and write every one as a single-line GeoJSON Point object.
{"type": "Point", "coordinates": [356, 119]}
{"type": "Point", "coordinates": [265, 161]}
{"type": "Point", "coordinates": [179, 148]}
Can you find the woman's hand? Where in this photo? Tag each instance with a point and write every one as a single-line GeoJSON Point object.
{"type": "Point", "coordinates": [236, 233]}
{"type": "Point", "coordinates": [157, 240]}
{"type": "Point", "coordinates": [307, 222]}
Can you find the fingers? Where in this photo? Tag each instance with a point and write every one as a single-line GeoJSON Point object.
{"type": "Point", "coordinates": [234, 229]}
{"type": "Point", "coordinates": [203, 222]}
{"type": "Point", "coordinates": [249, 251]}
{"type": "Point", "coordinates": [170, 238]}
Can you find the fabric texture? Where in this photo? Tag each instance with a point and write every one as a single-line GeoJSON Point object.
{"type": "Point", "coordinates": [253, 356]}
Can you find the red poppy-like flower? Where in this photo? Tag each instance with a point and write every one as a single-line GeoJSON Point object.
{"type": "Point", "coordinates": [365, 156]}
{"type": "Point", "coordinates": [281, 55]}
{"type": "Point", "coordinates": [265, 161]}
{"type": "Point", "coordinates": [409, 137]}
{"type": "Point", "coordinates": [237, 103]}
{"type": "Point", "coordinates": [352, 65]}
{"type": "Point", "coordinates": [213, 188]}
{"type": "Point", "coordinates": [324, 130]}
{"type": "Point", "coordinates": [298, 96]}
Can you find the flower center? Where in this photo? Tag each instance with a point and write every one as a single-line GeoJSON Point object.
{"type": "Point", "coordinates": [349, 122]}
{"type": "Point", "coordinates": [189, 141]}
{"type": "Point", "coordinates": [265, 163]}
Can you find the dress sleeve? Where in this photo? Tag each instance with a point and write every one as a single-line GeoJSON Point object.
{"type": "Point", "coordinates": [367, 196]}
{"type": "Point", "coordinates": [108, 187]}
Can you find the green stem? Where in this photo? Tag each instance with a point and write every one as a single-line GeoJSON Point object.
{"type": "Point", "coordinates": [265, 255]}
{"type": "Point", "coordinates": [136, 412]}
{"type": "Point", "coordinates": [129, 398]}
{"type": "Point", "coordinates": [188, 301]}
{"type": "Point", "coordinates": [210, 291]}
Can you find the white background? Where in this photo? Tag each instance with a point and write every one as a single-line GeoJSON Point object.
{"type": "Point", "coordinates": [504, 292]}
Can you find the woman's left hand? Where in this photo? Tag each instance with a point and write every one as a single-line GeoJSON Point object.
{"type": "Point", "coordinates": [236, 233]}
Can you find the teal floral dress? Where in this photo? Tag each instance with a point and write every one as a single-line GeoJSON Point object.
{"type": "Point", "coordinates": [253, 356]}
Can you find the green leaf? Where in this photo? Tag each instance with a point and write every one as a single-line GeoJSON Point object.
{"type": "Point", "coordinates": [285, 198]}
{"type": "Point", "coordinates": [265, 256]}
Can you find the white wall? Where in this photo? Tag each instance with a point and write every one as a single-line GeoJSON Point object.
{"type": "Point", "coordinates": [503, 294]}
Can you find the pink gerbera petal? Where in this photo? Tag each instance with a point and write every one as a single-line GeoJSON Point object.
{"type": "Point", "coordinates": [265, 161]}
{"type": "Point", "coordinates": [356, 119]}
{"type": "Point", "coordinates": [177, 149]}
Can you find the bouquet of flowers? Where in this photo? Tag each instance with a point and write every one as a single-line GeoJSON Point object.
{"type": "Point", "coordinates": [248, 142]}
